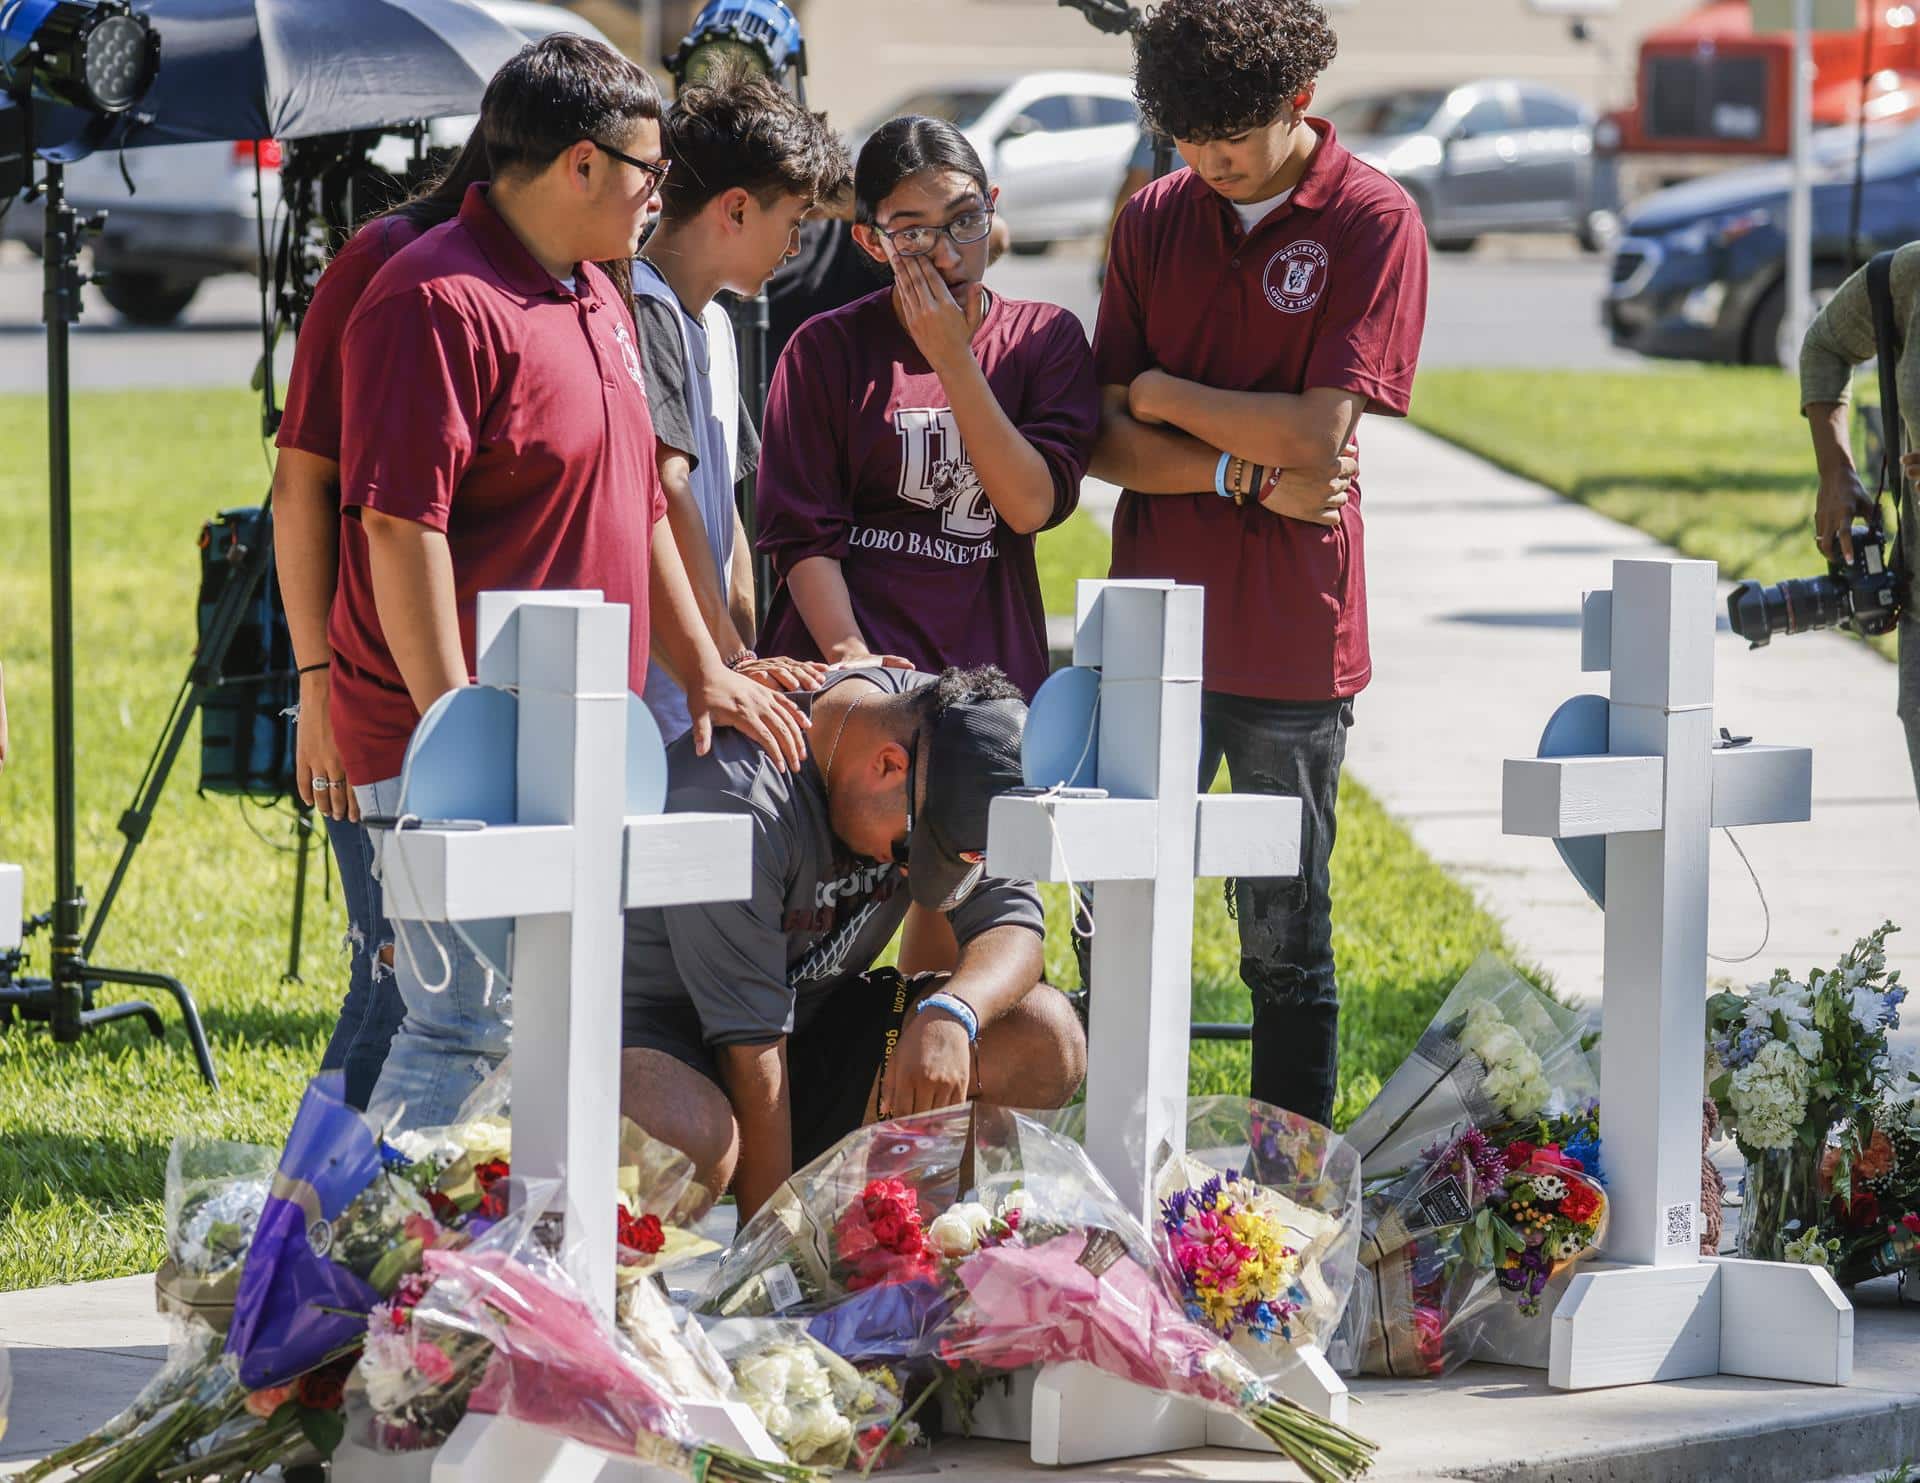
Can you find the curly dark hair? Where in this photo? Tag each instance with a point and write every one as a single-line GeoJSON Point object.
{"type": "Point", "coordinates": [1209, 69]}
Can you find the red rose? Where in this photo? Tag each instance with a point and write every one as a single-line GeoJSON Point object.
{"type": "Point", "coordinates": [1580, 1203]}
{"type": "Point", "coordinates": [321, 1390]}
{"type": "Point", "coordinates": [1864, 1211]}
{"type": "Point", "coordinates": [644, 1235]}
{"type": "Point", "coordinates": [1911, 1222]}
{"type": "Point", "coordinates": [1519, 1154]}
{"type": "Point", "coordinates": [855, 1241]}
{"type": "Point", "coordinates": [489, 1174]}
{"type": "Point", "coordinates": [887, 1230]}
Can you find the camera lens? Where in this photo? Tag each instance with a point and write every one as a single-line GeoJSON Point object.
{"type": "Point", "coordinates": [1757, 613]}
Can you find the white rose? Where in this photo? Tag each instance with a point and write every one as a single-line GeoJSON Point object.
{"type": "Point", "coordinates": [778, 1420]}
{"type": "Point", "coordinates": [959, 1230]}
{"type": "Point", "coordinates": [807, 1380]}
{"type": "Point", "coordinates": [486, 1139]}
{"type": "Point", "coordinates": [1017, 1202]}
{"type": "Point", "coordinates": [764, 1375]}
{"type": "Point", "coordinates": [818, 1428]}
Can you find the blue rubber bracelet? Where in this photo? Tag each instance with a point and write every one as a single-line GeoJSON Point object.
{"type": "Point", "coordinates": [958, 1008]}
{"type": "Point", "coordinates": [1220, 478]}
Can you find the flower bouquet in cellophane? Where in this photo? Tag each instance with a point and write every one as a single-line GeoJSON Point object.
{"type": "Point", "coordinates": [855, 1220]}
{"type": "Point", "coordinates": [1498, 1054]}
{"type": "Point", "coordinates": [1260, 1217]}
{"type": "Point", "coordinates": [1078, 1279]}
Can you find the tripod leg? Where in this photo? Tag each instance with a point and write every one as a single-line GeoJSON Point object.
{"type": "Point", "coordinates": [188, 1011]}
{"type": "Point", "coordinates": [303, 825]}
{"type": "Point", "coordinates": [126, 1010]}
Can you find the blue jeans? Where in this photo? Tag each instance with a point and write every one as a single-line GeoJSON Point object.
{"type": "Point", "coordinates": [372, 1010]}
{"type": "Point", "coordinates": [458, 1022]}
{"type": "Point", "coordinates": [1294, 749]}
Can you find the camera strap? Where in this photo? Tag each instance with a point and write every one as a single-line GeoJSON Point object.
{"type": "Point", "coordinates": [1888, 345]}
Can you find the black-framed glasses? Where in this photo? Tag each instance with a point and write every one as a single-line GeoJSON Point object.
{"type": "Point", "coordinates": [655, 170]}
{"type": "Point", "coordinates": [963, 231]}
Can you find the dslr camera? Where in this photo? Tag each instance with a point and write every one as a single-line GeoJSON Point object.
{"type": "Point", "coordinates": [1862, 594]}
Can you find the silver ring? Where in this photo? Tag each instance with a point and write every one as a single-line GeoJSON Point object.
{"type": "Point", "coordinates": [320, 782]}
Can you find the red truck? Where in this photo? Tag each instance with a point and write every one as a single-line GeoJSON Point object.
{"type": "Point", "coordinates": [1710, 93]}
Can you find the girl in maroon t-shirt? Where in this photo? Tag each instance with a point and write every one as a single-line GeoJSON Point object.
{"type": "Point", "coordinates": [917, 439]}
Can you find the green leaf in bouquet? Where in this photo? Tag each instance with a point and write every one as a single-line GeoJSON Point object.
{"type": "Point", "coordinates": [323, 1429]}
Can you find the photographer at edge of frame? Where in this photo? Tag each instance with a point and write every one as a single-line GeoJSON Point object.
{"type": "Point", "coordinates": [1840, 338]}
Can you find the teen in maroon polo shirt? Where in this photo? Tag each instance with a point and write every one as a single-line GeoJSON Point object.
{"type": "Point", "coordinates": [1256, 304]}
{"type": "Point", "coordinates": [495, 435]}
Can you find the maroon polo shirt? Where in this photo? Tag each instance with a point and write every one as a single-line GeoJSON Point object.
{"type": "Point", "coordinates": [862, 461]}
{"type": "Point", "coordinates": [485, 399]}
{"type": "Point", "coordinates": [1329, 290]}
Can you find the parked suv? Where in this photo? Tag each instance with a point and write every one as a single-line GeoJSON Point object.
{"type": "Point", "coordinates": [190, 215]}
{"type": "Point", "coordinates": [1056, 143]}
{"type": "Point", "coordinates": [1700, 270]}
{"type": "Point", "coordinates": [1490, 156]}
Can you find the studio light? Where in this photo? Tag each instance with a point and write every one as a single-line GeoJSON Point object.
{"type": "Point", "coordinates": [93, 54]}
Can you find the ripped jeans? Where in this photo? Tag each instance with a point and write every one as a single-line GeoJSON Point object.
{"type": "Point", "coordinates": [372, 1010]}
{"type": "Point", "coordinates": [1293, 748]}
{"type": "Point", "coordinates": [458, 1021]}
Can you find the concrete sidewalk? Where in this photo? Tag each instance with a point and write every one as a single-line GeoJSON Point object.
{"type": "Point", "coordinates": [1474, 579]}
{"type": "Point", "coordinates": [80, 1354]}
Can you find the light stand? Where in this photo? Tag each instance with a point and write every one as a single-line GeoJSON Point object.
{"type": "Point", "coordinates": [64, 999]}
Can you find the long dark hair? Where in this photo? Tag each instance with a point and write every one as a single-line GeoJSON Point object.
{"type": "Point", "coordinates": [903, 147]}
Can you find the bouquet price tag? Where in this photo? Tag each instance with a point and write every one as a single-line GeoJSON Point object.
{"type": "Point", "coordinates": [783, 1288]}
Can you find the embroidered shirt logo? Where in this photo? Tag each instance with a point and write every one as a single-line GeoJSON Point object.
{"type": "Point", "coordinates": [1296, 276]}
{"type": "Point", "coordinates": [630, 354]}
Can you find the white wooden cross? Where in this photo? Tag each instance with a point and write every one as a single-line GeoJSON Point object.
{"type": "Point", "coordinates": [1144, 843]}
{"type": "Point", "coordinates": [566, 871]}
{"type": "Point", "coordinates": [1655, 1310]}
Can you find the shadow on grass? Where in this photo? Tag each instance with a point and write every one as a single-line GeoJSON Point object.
{"type": "Point", "coordinates": [1707, 480]}
{"type": "Point", "coordinates": [111, 1168]}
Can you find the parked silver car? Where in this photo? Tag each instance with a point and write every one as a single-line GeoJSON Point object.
{"type": "Point", "coordinates": [1489, 156]}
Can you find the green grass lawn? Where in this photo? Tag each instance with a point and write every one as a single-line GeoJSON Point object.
{"type": "Point", "coordinates": [1714, 460]}
{"type": "Point", "coordinates": [84, 1129]}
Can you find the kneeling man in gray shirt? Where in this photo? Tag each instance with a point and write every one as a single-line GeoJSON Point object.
{"type": "Point", "coordinates": [755, 1037]}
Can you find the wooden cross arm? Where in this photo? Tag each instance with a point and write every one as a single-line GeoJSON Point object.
{"type": "Point", "coordinates": [1114, 839]}
{"type": "Point", "coordinates": [680, 859]}
{"type": "Point", "coordinates": [475, 875]}
{"type": "Point", "coordinates": [1570, 797]}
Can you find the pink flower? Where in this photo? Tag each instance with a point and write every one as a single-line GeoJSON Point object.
{"type": "Point", "coordinates": [263, 1403]}
{"type": "Point", "coordinates": [432, 1362]}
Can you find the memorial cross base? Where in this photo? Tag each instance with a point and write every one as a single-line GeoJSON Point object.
{"type": "Point", "coordinates": [1144, 844]}
{"type": "Point", "coordinates": [1654, 1309]}
{"type": "Point", "coordinates": [566, 867]}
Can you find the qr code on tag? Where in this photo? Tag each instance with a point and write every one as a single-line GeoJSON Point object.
{"type": "Point", "coordinates": [1680, 1224]}
{"type": "Point", "coordinates": [783, 1288]}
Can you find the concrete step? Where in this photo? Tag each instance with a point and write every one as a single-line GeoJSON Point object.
{"type": "Point", "coordinates": [81, 1353]}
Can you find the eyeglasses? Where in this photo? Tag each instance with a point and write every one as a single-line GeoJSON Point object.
{"type": "Point", "coordinates": [963, 231]}
{"type": "Point", "coordinates": [655, 170]}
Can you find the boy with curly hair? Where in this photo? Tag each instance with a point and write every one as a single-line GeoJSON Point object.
{"type": "Point", "coordinates": [1256, 304]}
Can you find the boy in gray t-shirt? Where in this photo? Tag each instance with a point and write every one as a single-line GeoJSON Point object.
{"type": "Point", "coordinates": [755, 1035]}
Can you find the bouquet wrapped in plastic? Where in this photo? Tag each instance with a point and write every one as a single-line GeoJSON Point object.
{"type": "Point", "coordinates": [1469, 1220]}
{"type": "Point", "coordinates": [1497, 1054]}
{"type": "Point", "coordinates": [1260, 1217]}
{"type": "Point", "coordinates": [822, 1410]}
{"type": "Point", "coordinates": [558, 1363]}
{"type": "Point", "coordinates": [1075, 1278]}
{"type": "Point", "coordinates": [858, 1219]}
{"type": "Point", "coordinates": [215, 1192]}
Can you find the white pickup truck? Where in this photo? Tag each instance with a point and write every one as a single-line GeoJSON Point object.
{"type": "Point", "coordinates": [191, 214]}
